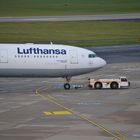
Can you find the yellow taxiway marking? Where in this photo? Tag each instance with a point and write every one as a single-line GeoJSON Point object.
{"type": "Point", "coordinates": [52, 99]}
{"type": "Point", "coordinates": [58, 113]}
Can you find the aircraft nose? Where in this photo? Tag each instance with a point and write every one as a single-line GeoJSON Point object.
{"type": "Point", "coordinates": [102, 62]}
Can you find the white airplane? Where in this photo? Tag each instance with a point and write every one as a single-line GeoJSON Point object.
{"type": "Point", "coordinates": [47, 60]}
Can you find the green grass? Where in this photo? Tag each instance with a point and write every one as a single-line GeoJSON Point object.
{"type": "Point", "coordinates": [66, 7]}
{"type": "Point", "coordinates": [86, 33]}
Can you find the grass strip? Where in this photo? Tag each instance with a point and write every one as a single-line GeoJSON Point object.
{"type": "Point", "coordinates": [85, 33]}
{"type": "Point", "coordinates": [66, 7]}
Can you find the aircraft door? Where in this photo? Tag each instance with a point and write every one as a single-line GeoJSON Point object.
{"type": "Point", "coordinates": [3, 56]}
{"type": "Point", "coordinates": [73, 57]}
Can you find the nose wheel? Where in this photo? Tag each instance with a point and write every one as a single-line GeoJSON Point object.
{"type": "Point", "coordinates": [67, 85]}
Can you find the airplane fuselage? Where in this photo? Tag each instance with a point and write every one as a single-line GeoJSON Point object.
{"type": "Point", "coordinates": [46, 60]}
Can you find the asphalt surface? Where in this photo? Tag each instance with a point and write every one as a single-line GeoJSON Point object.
{"type": "Point", "coordinates": [22, 110]}
{"type": "Point", "coordinates": [119, 53]}
{"type": "Point", "coordinates": [130, 16]}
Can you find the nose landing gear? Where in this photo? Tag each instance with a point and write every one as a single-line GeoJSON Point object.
{"type": "Point", "coordinates": [67, 85]}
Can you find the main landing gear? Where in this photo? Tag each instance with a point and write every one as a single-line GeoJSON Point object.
{"type": "Point", "coordinates": [67, 85]}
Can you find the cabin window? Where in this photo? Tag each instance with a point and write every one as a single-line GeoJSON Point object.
{"type": "Point", "coordinates": [35, 56]}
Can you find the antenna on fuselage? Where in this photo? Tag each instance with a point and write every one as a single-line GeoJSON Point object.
{"type": "Point", "coordinates": [51, 43]}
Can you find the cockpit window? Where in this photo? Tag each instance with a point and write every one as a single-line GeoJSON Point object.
{"type": "Point", "coordinates": [91, 55]}
{"type": "Point", "coordinates": [123, 79]}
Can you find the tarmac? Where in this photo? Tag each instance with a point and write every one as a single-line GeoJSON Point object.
{"type": "Point", "coordinates": [103, 17]}
{"type": "Point", "coordinates": [40, 109]}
